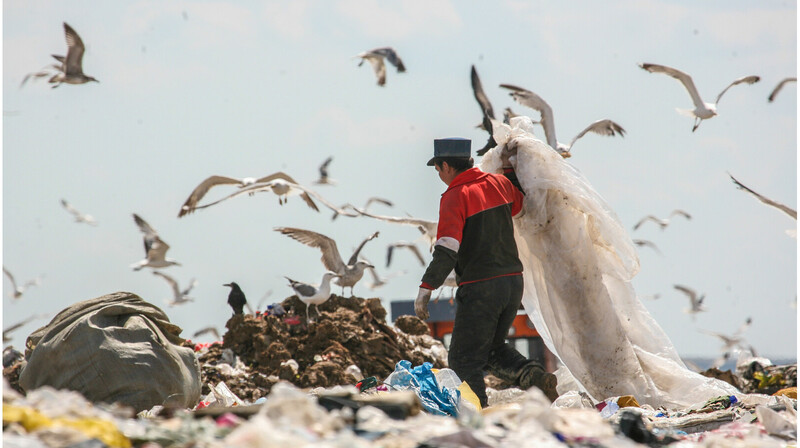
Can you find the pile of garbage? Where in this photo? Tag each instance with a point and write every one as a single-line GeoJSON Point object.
{"type": "Point", "coordinates": [348, 341]}
{"type": "Point", "coordinates": [347, 378]}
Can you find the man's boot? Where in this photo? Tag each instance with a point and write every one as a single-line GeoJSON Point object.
{"type": "Point", "coordinates": [533, 374]}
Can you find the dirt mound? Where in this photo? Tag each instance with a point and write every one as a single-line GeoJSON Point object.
{"type": "Point", "coordinates": [348, 331]}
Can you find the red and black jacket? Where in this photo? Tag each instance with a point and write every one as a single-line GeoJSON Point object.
{"type": "Point", "coordinates": [475, 234]}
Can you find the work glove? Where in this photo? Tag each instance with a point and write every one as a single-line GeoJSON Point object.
{"type": "Point", "coordinates": [421, 304]}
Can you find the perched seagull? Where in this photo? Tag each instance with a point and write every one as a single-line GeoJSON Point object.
{"type": "Point", "coordinates": [732, 341]}
{"type": "Point", "coordinates": [154, 248]}
{"type": "Point", "coordinates": [79, 217]}
{"type": "Point", "coordinates": [213, 330]}
{"type": "Point", "coordinates": [403, 244]}
{"type": "Point", "coordinates": [789, 211]}
{"type": "Point", "coordinates": [273, 181]}
{"type": "Point", "coordinates": [323, 173]}
{"type": "Point", "coordinates": [427, 228]}
{"type": "Point", "coordinates": [179, 297]}
{"type": "Point", "coordinates": [702, 110]}
{"type": "Point", "coordinates": [71, 70]}
{"type": "Point", "coordinates": [661, 222]}
{"type": "Point", "coordinates": [779, 87]}
{"type": "Point", "coordinates": [19, 290]}
{"type": "Point", "coordinates": [369, 202]}
{"type": "Point", "coordinates": [376, 57]}
{"type": "Point", "coordinates": [350, 273]}
{"type": "Point", "coordinates": [696, 302]}
{"type": "Point", "coordinates": [534, 101]}
{"type": "Point", "coordinates": [647, 243]}
{"type": "Point", "coordinates": [312, 294]}
{"type": "Point", "coordinates": [236, 298]}
{"type": "Point", "coordinates": [486, 110]}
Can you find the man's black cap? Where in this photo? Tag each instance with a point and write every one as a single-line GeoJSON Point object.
{"type": "Point", "coordinates": [451, 147]}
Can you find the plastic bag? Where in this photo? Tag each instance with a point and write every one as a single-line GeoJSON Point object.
{"type": "Point", "coordinates": [435, 399]}
{"type": "Point", "coordinates": [578, 264]}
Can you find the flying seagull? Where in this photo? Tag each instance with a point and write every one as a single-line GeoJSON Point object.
{"type": "Point", "coordinates": [154, 248]}
{"type": "Point", "coordinates": [236, 298]}
{"type": "Point", "coordinates": [662, 222]}
{"type": "Point", "coordinates": [19, 290]}
{"type": "Point", "coordinates": [179, 296]}
{"type": "Point", "coordinates": [79, 217]}
{"type": "Point", "coordinates": [313, 294]}
{"type": "Point", "coordinates": [779, 87]}
{"type": "Point", "coordinates": [369, 202]}
{"type": "Point", "coordinates": [702, 110]}
{"type": "Point", "coordinates": [534, 101]}
{"type": "Point", "coordinates": [789, 211]}
{"type": "Point", "coordinates": [647, 243]}
{"type": "Point", "coordinates": [324, 179]}
{"type": "Point", "coordinates": [695, 300]}
{"type": "Point", "coordinates": [427, 228]}
{"type": "Point", "coordinates": [283, 188]}
{"type": "Point", "coordinates": [406, 245]}
{"type": "Point", "coordinates": [71, 70]}
{"type": "Point", "coordinates": [211, 329]}
{"type": "Point", "coordinates": [377, 280]}
{"type": "Point", "coordinates": [350, 273]}
{"type": "Point", "coordinates": [273, 181]}
{"type": "Point", "coordinates": [376, 59]}
{"type": "Point", "coordinates": [7, 330]}
{"type": "Point", "coordinates": [732, 341]}
{"type": "Point", "coordinates": [487, 112]}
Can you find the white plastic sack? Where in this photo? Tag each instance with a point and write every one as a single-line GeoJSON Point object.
{"type": "Point", "coordinates": [114, 348]}
{"type": "Point", "coordinates": [578, 263]}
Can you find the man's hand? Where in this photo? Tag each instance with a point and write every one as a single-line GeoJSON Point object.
{"type": "Point", "coordinates": [421, 304]}
{"type": "Point", "coordinates": [508, 151]}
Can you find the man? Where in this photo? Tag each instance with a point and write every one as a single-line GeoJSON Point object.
{"type": "Point", "coordinates": [475, 236]}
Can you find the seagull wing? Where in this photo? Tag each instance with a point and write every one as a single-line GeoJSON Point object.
{"type": "Point", "coordinates": [172, 283]}
{"type": "Point", "coordinates": [480, 96]}
{"type": "Point", "coordinates": [602, 127]}
{"type": "Point", "coordinates": [286, 177]}
{"type": "Point", "coordinates": [391, 55]}
{"type": "Point", "coordinates": [10, 277]}
{"type": "Point", "coordinates": [75, 49]}
{"type": "Point", "coordinates": [684, 78]}
{"type": "Point", "coordinates": [70, 208]}
{"type": "Point", "coordinates": [323, 169]}
{"type": "Point", "coordinates": [376, 61]}
{"type": "Point", "coordinates": [534, 101]}
{"type": "Point", "coordinates": [144, 227]}
{"type": "Point", "coordinates": [647, 243]}
{"type": "Point", "coordinates": [397, 220]}
{"type": "Point", "coordinates": [490, 142]}
{"type": "Point", "coordinates": [330, 253]}
{"type": "Point", "coordinates": [354, 258]}
{"type": "Point", "coordinates": [691, 293]}
{"type": "Point", "coordinates": [779, 87]}
{"type": "Point", "coordinates": [156, 249]}
{"type": "Point", "coordinates": [681, 213]}
{"type": "Point", "coordinates": [744, 79]}
{"type": "Point", "coordinates": [789, 211]}
{"type": "Point", "coordinates": [658, 221]}
{"type": "Point", "coordinates": [201, 190]}
{"type": "Point", "coordinates": [743, 327]}
{"type": "Point", "coordinates": [302, 289]}
{"type": "Point", "coordinates": [189, 288]}
{"type": "Point", "coordinates": [379, 200]}
{"type": "Point", "coordinates": [202, 331]}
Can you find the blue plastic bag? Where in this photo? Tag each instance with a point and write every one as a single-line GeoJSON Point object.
{"type": "Point", "coordinates": [435, 399]}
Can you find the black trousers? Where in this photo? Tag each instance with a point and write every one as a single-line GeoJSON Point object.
{"type": "Point", "coordinates": [484, 313]}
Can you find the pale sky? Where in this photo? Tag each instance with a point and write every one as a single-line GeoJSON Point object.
{"type": "Point", "coordinates": [189, 89]}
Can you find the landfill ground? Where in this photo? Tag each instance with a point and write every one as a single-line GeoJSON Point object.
{"type": "Point", "coordinates": [280, 380]}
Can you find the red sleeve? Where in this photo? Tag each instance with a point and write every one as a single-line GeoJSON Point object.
{"type": "Point", "coordinates": [452, 214]}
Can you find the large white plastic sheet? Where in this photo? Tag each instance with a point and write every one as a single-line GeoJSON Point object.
{"type": "Point", "coordinates": [578, 264]}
